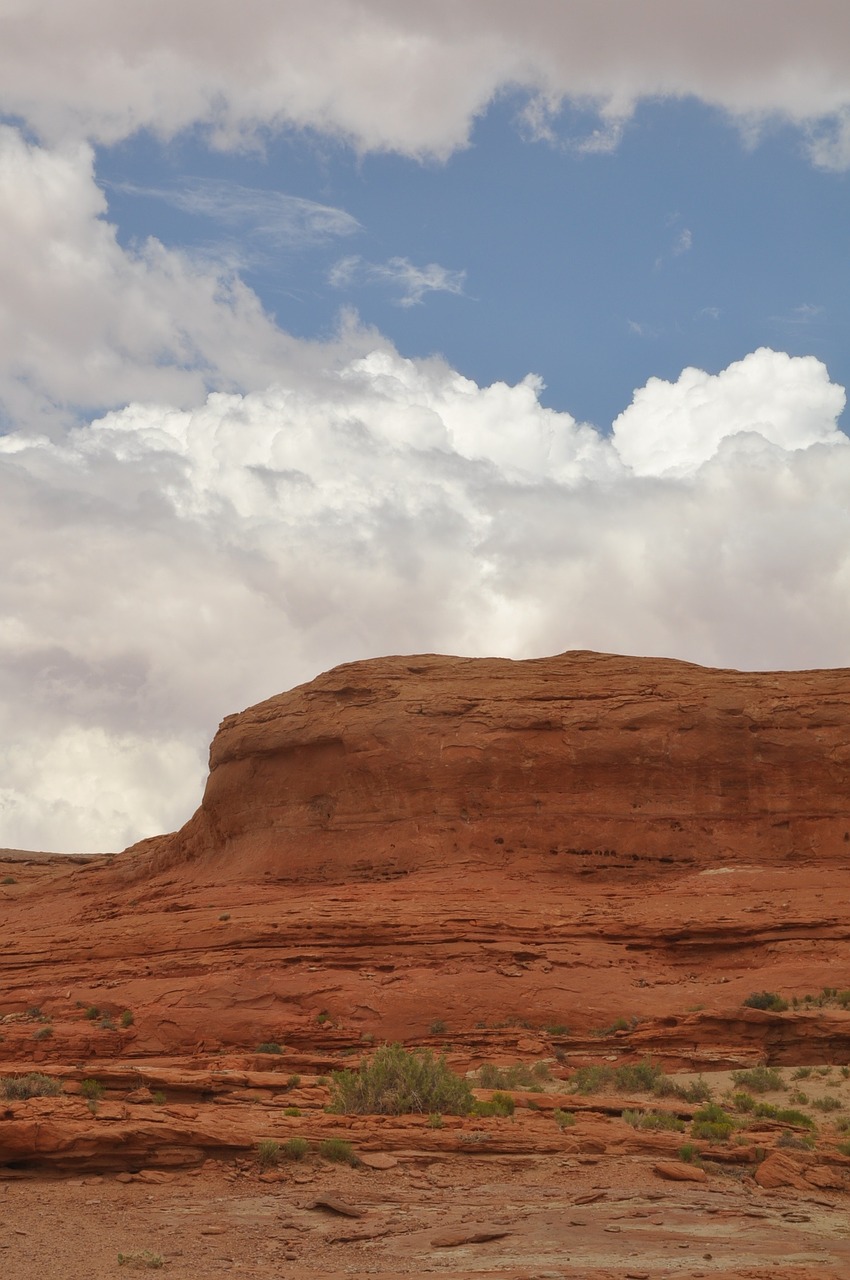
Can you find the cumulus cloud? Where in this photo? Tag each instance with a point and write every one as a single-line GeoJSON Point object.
{"type": "Point", "coordinates": [86, 322]}
{"type": "Point", "coordinates": [410, 282]}
{"type": "Point", "coordinates": [99, 70]}
{"type": "Point", "coordinates": [179, 564]}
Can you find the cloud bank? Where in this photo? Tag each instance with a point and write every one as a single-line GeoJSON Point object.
{"type": "Point", "coordinates": [101, 71]}
{"type": "Point", "coordinates": [178, 564]}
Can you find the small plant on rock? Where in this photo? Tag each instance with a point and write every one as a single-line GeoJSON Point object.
{"type": "Point", "coordinates": [563, 1119]}
{"type": "Point", "coordinates": [141, 1259]}
{"type": "Point", "coordinates": [769, 1000]}
{"type": "Point", "coordinates": [268, 1153]}
{"type": "Point", "coordinates": [712, 1122]}
{"type": "Point", "coordinates": [32, 1085]}
{"type": "Point", "coordinates": [337, 1150]}
{"type": "Point", "coordinates": [92, 1090]}
{"type": "Point", "coordinates": [269, 1046]}
{"type": "Point", "coordinates": [296, 1148]}
{"type": "Point", "coordinates": [127, 1018]}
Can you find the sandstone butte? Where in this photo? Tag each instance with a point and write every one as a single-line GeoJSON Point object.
{"type": "Point", "coordinates": [573, 861]}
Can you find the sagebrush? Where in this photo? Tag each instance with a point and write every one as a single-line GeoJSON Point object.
{"type": "Point", "coordinates": [398, 1082]}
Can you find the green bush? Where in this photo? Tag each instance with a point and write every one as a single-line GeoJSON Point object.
{"type": "Point", "coordinates": [92, 1013]}
{"type": "Point", "coordinates": [396, 1082]}
{"type": "Point", "coordinates": [268, 1046]}
{"type": "Point", "coordinates": [743, 1101]}
{"type": "Point", "coordinates": [500, 1104]}
{"type": "Point", "coordinates": [159, 1097]}
{"type": "Point", "coordinates": [519, 1076]}
{"type": "Point", "coordinates": [687, 1152]}
{"type": "Point", "coordinates": [785, 1115]}
{"type": "Point", "coordinates": [296, 1148]}
{"type": "Point", "coordinates": [293, 1082]}
{"type": "Point", "coordinates": [766, 1000]}
{"type": "Point", "coordinates": [141, 1259]}
{"type": "Point", "coordinates": [438, 1027]}
{"type": "Point", "coordinates": [91, 1089]}
{"type": "Point", "coordinates": [127, 1018]}
{"type": "Point", "coordinates": [435, 1120]}
{"type": "Point", "coordinates": [759, 1079]}
{"type": "Point", "coordinates": [563, 1119]}
{"type": "Point", "coordinates": [659, 1121]}
{"type": "Point", "coordinates": [32, 1085]}
{"type": "Point", "coordinates": [268, 1153]}
{"type": "Point", "coordinates": [827, 1103]}
{"type": "Point", "coordinates": [639, 1077]}
{"type": "Point", "coordinates": [591, 1079]}
{"type": "Point", "coordinates": [43, 1033]}
{"type": "Point", "coordinates": [712, 1122]}
{"type": "Point", "coordinates": [337, 1150]}
{"type": "Point", "coordinates": [292, 1111]}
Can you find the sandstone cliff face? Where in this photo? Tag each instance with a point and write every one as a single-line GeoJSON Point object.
{"type": "Point", "coordinates": [584, 763]}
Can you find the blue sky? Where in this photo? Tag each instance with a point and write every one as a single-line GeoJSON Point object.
{"type": "Point", "coordinates": [683, 245]}
{"type": "Point", "coordinates": [353, 327]}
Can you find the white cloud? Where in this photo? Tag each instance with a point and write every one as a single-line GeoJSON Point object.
{"type": "Point", "coordinates": [181, 564]}
{"type": "Point", "coordinates": [399, 274]}
{"type": "Point", "coordinates": [673, 428]}
{"type": "Point", "coordinates": [84, 321]}
{"type": "Point", "coordinates": [282, 220]}
{"type": "Point", "coordinates": [683, 243]}
{"type": "Point", "coordinates": [393, 74]}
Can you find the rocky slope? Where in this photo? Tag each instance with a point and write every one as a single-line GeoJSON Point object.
{"type": "Point", "coordinates": [577, 860]}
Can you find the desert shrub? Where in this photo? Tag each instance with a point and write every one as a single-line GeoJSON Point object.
{"type": "Point", "coordinates": [802, 1073]}
{"type": "Point", "coordinates": [687, 1152]}
{"type": "Point", "coordinates": [696, 1091]}
{"type": "Point", "coordinates": [43, 1033]}
{"type": "Point", "coordinates": [32, 1085]}
{"type": "Point", "coordinates": [397, 1082]}
{"type": "Point", "coordinates": [842, 1124]}
{"type": "Point", "coordinates": [127, 1018]}
{"type": "Point", "coordinates": [296, 1148]}
{"type": "Point", "coordinates": [591, 1079]}
{"type": "Point", "coordinates": [141, 1259]}
{"type": "Point", "coordinates": [660, 1121]}
{"type": "Point", "coordinates": [323, 1017]}
{"type": "Point", "coordinates": [563, 1119]}
{"type": "Point", "coordinates": [438, 1027]}
{"type": "Point", "coordinates": [268, 1046]}
{"type": "Point", "coordinates": [268, 1153]}
{"type": "Point", "coordinates": [785, 1115]}
{"type": "Point", "coordinates": [557, 1029]}
{"type": "Point", "coordinates": [337, 1150]}
{"type": "Point", "coordinates": [106, 1024]}
{"type": "Point", "coordinates": [518, 1076]}
{"type": "Point", "coordinates": [159, 1097]}
{"type": "Point", "coordinates": [744, 1101]}
{"type": "Point", "coordinates": [844, 1148]}
{"type": "Point", "coordinates": [639, 1077]}
{"type": "Point", "coordinates": [827, 1103]}
{"type": "Point", "coordinates": [796, 1142]}
{"type": "Point", "coordinates": [92, 1090]}
{"type": "Point", "coordinates": [766, 1000]}
{"type": "Point", "coordinates": [293, 1082]}
{"type": "Point", "coordinates": [225, 915]}
{"type": "Point", "coordinates": [712, 1122]}
{"type": "Point", "coordinates": [619, 1024]}
{"type": "Point", "coordinates": [92, 1013]}
{"type": "Point", "coordinates": [435, 1120]}
{"type": "Point", "coordinates": [501, 1104]}
{"type": "Point", "coordinates": [9, 880]}
{"type": "Point", "coordinates": [759, 1079]}
{"type": "Point", "coordinates": [292, 1111]}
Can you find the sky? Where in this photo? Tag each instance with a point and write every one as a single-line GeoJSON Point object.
{"type": "Point", "coordinates": [358, 327]}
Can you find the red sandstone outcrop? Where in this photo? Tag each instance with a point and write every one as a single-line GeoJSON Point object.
{"type": "Point", "coordinates": [579, 860]}
{"type": "Point", "coordinates": [584, 763]}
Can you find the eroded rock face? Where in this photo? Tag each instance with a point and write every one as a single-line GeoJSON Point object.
{"type": "Point", "coordinates": [582, 762]}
